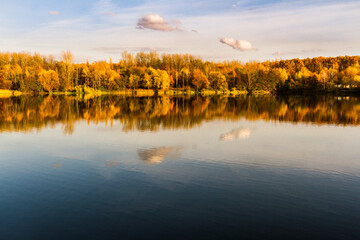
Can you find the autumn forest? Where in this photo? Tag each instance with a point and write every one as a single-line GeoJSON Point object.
{"type": "Point", "coordinates": [34, 73]}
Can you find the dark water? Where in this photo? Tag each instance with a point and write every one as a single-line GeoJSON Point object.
{"type": "Point", "coordinates": [179, 168]}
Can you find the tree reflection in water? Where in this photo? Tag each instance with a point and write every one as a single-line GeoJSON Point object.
{"type": "Point", "coordinates": [26, 113]}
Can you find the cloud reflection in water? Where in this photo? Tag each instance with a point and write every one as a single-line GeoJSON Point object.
{"type": "Point", "coordinates": [157, 155]}
{"type": "Point", "coordinates": [239, 133]}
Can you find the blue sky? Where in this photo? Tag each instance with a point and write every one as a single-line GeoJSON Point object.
{"type": "Point", "coordinates": [215, 30]}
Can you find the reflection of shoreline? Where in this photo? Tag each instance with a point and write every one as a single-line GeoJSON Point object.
{"type": "Point", "coordinates": [26, 113]}
{"type": "Point", "coordinates": [239, 133]}
{"type": "Point", "coordinates": [157, 155]}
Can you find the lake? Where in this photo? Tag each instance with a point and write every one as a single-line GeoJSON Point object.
{"type": "Point", "coordinates": [116, 167]}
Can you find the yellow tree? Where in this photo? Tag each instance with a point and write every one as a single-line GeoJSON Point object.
{"type": "Point", "coordinates": [251, 70]}
{"type": "Point", "coordinates": [200, 81]}
{"type": "Point", "coordinates": [302, 77]}
{"type": "Point", "coordinates": [217, 80]}
{"type": "Point", "coordinates": [164, 79]}
{"type": "Point", "coordinates": [4, 84]}
{"type": "Point", "coordinates": [133, 81]}
{"type": "Point", "coordinates": [18, 76]}
{"type": "Point", "coordinates": [49, 80]}
{"type": "Point", "coordinates": [185, 75]}
{"type": "Point", "coordinates": [281, 74]}
{"type": "Point", "coordinates": [324, 76]}
{"type": "Point", "coordinates": [146, 81]}
{"type": "Point", "coordinates": [67, 69]}
{"type": "Point", "coordinates": [112, 77]}
{"type": "Point", "coordinates": [153, 78]}
{"type": "Point", "coordinates": [350, 75]}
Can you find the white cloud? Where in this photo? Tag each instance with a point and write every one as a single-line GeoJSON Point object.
{"type": "Point", "coordinates": [53, 12]}
{"type": "Point", "coordinates": [156, 22]}
{"type": "Point", "coordinates": [241, 45]}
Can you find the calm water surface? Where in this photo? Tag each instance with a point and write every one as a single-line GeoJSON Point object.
{"type": "Point", "coordinates": [179, 168]}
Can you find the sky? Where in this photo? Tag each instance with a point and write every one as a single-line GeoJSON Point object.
{"type": "Point", "coordinates": [215, 30]}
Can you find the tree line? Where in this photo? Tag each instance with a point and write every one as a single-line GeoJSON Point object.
{"type": "Point", "coordinates": [36, 73]}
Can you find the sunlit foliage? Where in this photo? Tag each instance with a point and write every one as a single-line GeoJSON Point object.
{"type": "Point", "coordinates": [35, 73]}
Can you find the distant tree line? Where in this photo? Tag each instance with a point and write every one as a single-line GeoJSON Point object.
{"type": "Point", "coordinates": [36, 73]}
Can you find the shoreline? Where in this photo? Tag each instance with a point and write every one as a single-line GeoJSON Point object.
{"type": "Point", "coordinates": [134, 92]}
{"type": "Point", "coordinates": [187, 92]}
